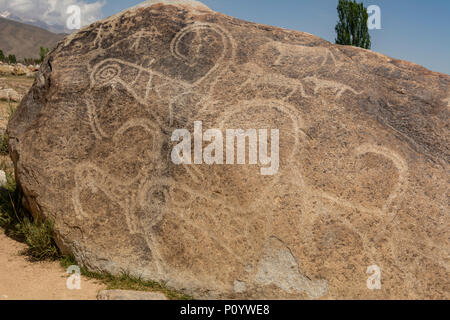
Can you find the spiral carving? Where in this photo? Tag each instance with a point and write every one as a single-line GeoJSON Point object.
{"type": "Point", "coordinates": [107, 73]}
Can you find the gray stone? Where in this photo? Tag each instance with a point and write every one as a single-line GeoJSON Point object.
{"type": "Point", "coordinates": [130, 295]}
{"type": "Point", "coordinates": [10, 95]}
{"type": "Point", "coordinates": [3, 179]}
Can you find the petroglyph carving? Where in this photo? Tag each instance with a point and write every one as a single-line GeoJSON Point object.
{"type": "Point", "coordinates": [132, 77]}
{"type": "Point", "coordinates": [295, 128]}
{"type": "Point", "coordinates": [399, 163]}
{"type": "Point", "coordinates": [310, 58]}
{"type": "Point", "coordinates": [306, 60]}
{"type": "Point", "coordinates": [151, 35]}
{"type": "Point", "coordinates": [205, 36]}
{"type": "Point", "coordinates": [337, 88]}
{"type": "Point", "coordinates": [258, 78]}
{"type": "Point", "coordinates": [401, 184]}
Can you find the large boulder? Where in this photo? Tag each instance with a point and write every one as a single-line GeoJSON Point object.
{"type": "Point", "coordinates": [362, 185]}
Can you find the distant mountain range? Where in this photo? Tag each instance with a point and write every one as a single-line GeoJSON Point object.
{"type": "Point", "coordinates": [24, 40]}
{"type": "Point", "coordinates": [36, 23]}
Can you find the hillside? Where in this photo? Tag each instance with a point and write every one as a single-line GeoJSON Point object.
{"type": "Point", "coordinates": [24, 40]}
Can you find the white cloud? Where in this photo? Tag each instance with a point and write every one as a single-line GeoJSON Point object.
{"type": "Point", "coordinates": [50, 12]}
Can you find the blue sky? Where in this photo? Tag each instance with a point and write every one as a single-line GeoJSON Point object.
{"type": "Point", "coordinates": [413, 30]}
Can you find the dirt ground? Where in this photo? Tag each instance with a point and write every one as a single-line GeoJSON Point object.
{"type": "Point", "coordinates": [21, 279]}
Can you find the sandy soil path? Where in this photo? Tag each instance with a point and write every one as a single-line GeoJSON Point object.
{"type": "Point", "coordinates": [21, 279]}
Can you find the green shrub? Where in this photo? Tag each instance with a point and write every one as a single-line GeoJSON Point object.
{"type": "Point", "coordinates": [12, 59]}
{"type": "Point", "coordinates": [39, 238]}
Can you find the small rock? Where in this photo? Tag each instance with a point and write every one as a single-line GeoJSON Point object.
{"type": "Point", "coordinates": [19, 70]}
{"type": "Point", "coordinates": [31, 74]}
{"type": "Point", "coordinates": [240, 287]}
{"type": "Point", "coordinates": [10, 95]}
{"type": "Point", "coordinates": [33, 68]}
{"type": "Point", "coordinates": [3, 179]}
{"type": "Point", "coordinates": [130, 295]}
{"type": "Point", "coordinates": [6, 69]}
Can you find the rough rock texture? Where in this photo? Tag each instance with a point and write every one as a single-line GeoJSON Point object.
{"type": "Point", "coordinates": [364, 159]}
{"type": "Point", "coordinates": [129, 295]}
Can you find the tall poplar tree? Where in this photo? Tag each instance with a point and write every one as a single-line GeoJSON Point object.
{"type": "Point", "coordinates": [352, 28]}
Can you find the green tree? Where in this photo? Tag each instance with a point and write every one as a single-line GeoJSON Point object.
{"type": "Point", "coordinates": [352, 28]}
{"type": "Point", "coordinates": [12, 59]}
{"type": "Point", "coordinates": [44, 52]}
{"type": "Point", "coordinates": [2, 56]}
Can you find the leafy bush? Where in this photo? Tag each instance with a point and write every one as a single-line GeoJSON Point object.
{"type": "Point", "coordinates": [12, 59]}
{"type": "Point", "coordinates": [39, 238]}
